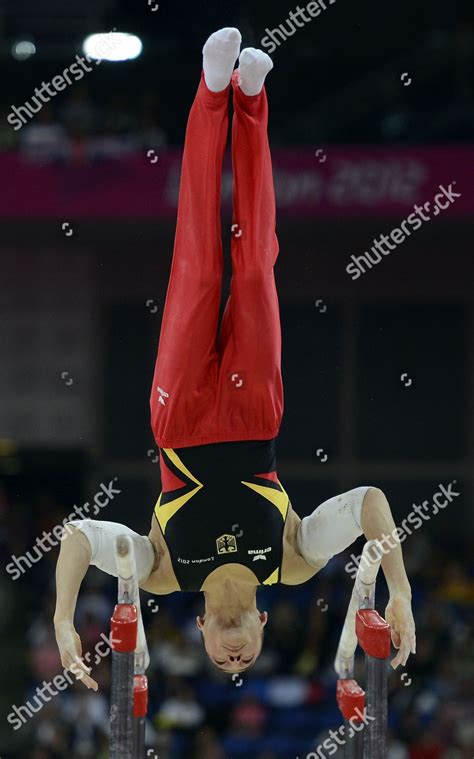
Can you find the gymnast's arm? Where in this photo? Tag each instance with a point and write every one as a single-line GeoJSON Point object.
{"type": "Point", "coordinates": [88, 542]}
{"type": "Point", "coordinates": [73, 563]}
{"type": "Point", "coordinates": [336, 524]}
{"type": "Point", "coordinates": [377, 523]}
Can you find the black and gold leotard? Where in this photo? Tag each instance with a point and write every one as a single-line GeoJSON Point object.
{"type": "Point", "coordinates": [222, 503]}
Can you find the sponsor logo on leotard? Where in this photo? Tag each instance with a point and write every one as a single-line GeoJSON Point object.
{"type": "Point", "coordinates": [226, 544]}
{"type": "Point", "coordinates": [163, 395]}
{"type": "Point", "coordinates": [259, 553]}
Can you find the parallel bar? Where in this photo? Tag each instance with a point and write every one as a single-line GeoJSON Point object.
{"type": "Point", "coordinates": [129, 592]}
{"type": "Point", "coordinates": [130, 659]}
{"type": "Point", "coordinates": [121, 744]}
{"type": "Point", "coordinates": [350, 699]}
{"type": "Point", "coordinates": [351, 702]}
{"type": "Point", "coordinates": [373, 634]}
{"type": "Point", "coordinates": [354, 748]}
{"type": "Point", "coordinates": [124, 640]}
{"type": "Point", "coordinates": [363, 595]}
{"type": "Point", "coordinates": [365, 627]}
{"type": "Point", "coordinates": [140, 709]}
{"type": "Point", "coordinates": [375, 744]}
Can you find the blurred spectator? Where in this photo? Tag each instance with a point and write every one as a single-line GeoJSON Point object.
{"type": "Point", "coordinates": [248, 717]}
{"type": "Point", "coordinates": [206, 744]}
{"type": "Point", "coordinates": [87, 715]}
{"type": "Point", "coordinates": [180, 710]}
{"type": "Point", "coordinates": [79, 115]}
{"type": "Point", "coordinates": [44, 138]}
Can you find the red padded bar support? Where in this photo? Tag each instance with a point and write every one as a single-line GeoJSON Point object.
{"type": "Point", "coordinates": [373, 633]}
{"type": "Point", "coordinates": [350, 697]}
{"type": "Point", "coordinates": [124, 625]}
{"type": "Point", "coordinates": [140, 696]}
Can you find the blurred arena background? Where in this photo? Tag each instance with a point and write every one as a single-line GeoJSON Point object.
{"type": "Point", "coordinates": [378, 370]}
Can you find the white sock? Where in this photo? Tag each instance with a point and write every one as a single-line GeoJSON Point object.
{"type": "Point", "coordinates": [219, 56]}
{"type": "Point", "coordinates": [254, 65]}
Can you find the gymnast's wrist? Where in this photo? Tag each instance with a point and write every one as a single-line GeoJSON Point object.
{"type": "Point", "coordinates": [61, 620]}
{"type": "Point", "coordinates": [401, 591]}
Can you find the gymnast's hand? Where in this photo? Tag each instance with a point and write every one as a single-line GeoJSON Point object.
{"type": "Point", "coordinates": [400, 618]}
{"type": "Point", "coordinates": [70, 649]}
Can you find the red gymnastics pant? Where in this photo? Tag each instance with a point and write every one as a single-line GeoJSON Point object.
{"type": "Point", "coordinates": [212, 386]}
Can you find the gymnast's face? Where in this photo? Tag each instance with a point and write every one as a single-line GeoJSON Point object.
{"type": "Point", "coordinates": [233, 645]}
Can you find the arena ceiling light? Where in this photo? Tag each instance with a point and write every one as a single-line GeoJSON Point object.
{"type": "Point", "coordinates": [23, 49]}
{"type": "Point", "coordinates": [112, 46]}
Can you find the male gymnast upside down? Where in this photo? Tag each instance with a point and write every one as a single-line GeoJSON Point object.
{"type": "Point", "coordinates": [223, 523]}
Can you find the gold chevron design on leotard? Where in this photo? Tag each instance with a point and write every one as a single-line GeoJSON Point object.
{"type": "Point", "coordinates": [164, 511]}
{"type": "Point", "coordinates": [279, 498]}
{"type": "Point", "coordinates": [273, 578]}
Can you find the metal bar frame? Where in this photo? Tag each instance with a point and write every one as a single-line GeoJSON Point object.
{"type": "Point", "coordinates": [130, 659]}
{"type": "Point", "coordinates": [364, 627]}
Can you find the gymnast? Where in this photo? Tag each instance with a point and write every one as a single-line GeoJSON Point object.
{"type": "Point", "coordinates": [223, 523]}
